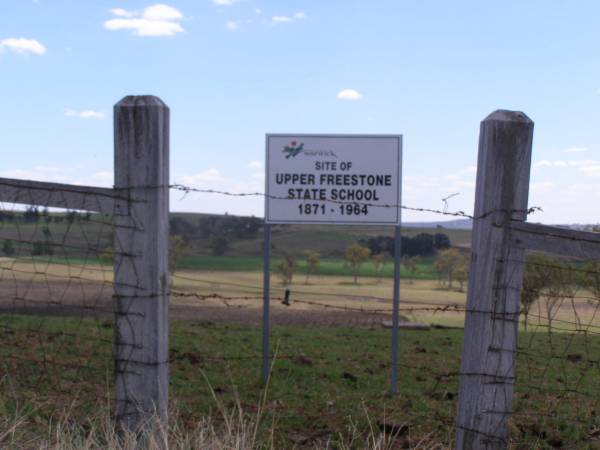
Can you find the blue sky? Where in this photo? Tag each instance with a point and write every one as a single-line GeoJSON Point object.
{"type": "Point", "coordinates": [232, 71]}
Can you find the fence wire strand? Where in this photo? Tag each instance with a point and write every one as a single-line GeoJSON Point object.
{"type": "Point", "coordinates": [57, 324]}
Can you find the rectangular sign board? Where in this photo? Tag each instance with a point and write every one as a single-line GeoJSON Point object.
{"type": "Point", "coordinates": [336, 179]}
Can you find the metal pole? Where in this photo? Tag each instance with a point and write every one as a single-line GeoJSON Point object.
{"type": "Point", "coordinates": [396, 311]}
{"type": "Point", "coordinates": [266, 297]}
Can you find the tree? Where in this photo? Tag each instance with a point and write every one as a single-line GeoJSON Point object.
{"type": "Point", "coordinates": [8, 247]}
{"type": "Point", "coordinates": [219, 245]}
{"type": "Point", "coordinates": [379, 261]}
{"type": "Point", "coordinates": [379, 244]}
{"type": "Point", "coordinates": [179, 226]}
{"type": "Point", "coordinates": [178, 250]}
{"type": "Point", "coordinates": [31, 214]}
{"type": "Point", "coordinates": [42, 248]}
{"type": "Point", "coordinates": [108, 254]}
{"type": "Point", "coordinates": [313, 263]}
{"type": "Point", "coordinates": [591, 279]}
{"type": "Point", "coordinates": [533, 283]}
{"type": "Point", "coordinates": [422, 244]}
{"type": "Point", "coordinates": [286, 268]}
{"type": "Point", "coordinates": [355, 255]}
{"type": "Point", "coordinates": [461, 273]}
{"type": "Point", "coordinates": [441, 241]}
{"type": "Point", "coordinates": [563, 283]}
{"type": "Point", "coordinates": [446, 263]}
{"type": "Point", "coordinates": [410, 263]}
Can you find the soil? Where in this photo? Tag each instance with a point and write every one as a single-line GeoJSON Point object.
{"type": "Point", "coordinates": [94, 299]}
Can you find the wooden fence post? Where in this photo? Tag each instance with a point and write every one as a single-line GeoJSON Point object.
{"type": "Point", "coordinates": [492, 316]}
{"type": "Point", "coordinates": [141, 273]}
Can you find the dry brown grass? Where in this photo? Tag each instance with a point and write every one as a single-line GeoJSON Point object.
{"type": "Point", "coordinates": [231, 429]}
{"type": "Point", "coordinates": [245, 288]}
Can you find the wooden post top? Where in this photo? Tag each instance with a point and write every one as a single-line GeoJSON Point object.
{"type": "Point", "coordinates": [132, 101]}
{"type": "Point", "coordinates": [504, 115]}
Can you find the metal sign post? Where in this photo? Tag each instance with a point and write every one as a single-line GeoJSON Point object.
{"type": "Point", "coordinates": [396, 311]}
{"type": "Point", "coordinates": [333, 179]}
{"type": "Point", "coordinates": [266, 302]}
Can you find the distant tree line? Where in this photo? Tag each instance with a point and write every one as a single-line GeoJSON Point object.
{"type": "Point", "coordinates": [36, 248]}
{"type": "Point", "coordinates": [218, 230]}
{"type": "Point", "coordinates": [32, 214]}
{"type": "Point", "coordinates": [554, 283]}
{"type": "Point", "coordinates": [423, 244]}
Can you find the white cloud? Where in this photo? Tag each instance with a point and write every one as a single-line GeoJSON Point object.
{"type": "Point", "coordinates": [583, 162]}
{"type": "Point", "coordinates": [103, 178]}
{"type": "Point", "coordinates": [258, 170]}
{"type": "Point", "coordinates": [213, 179]}
{"type": "Point", "coordinates": [349, 94]}
{"type": "Point", "coordinates": [592, 171]}
{"type": "Point", "coordinates": [22, 45]}
{"type": "Point", "coordinates": [155, 20]}
{"type": "Point", "coordinates": [568, 163]}
{"type": "Point", "coordinates": [299, 15]}
{"type": "Point", "coordinates": [543, 186]}
{"type": "Point", "coordinates": [202, 178]}
{"type": "Point", "coordinates": [588, 167]}
{"type": "Point", "coordinates": [281, 19]}
{"type": "Point", "coordinates": [224, 2]}
{"type": "Point", "coordinates": [43, 173]}
{"type": "Point", "coordinates": [142, 27]}
{"type": "Point", "coordinates": [465, 184]}
{"type": "Point", "coordinates": [576, 150]}
{"type": "Point", "coordinates": [89, 114]}
{"type": "Point", "coordinates": [86, 114]}
{"type": "Point", "coordinates": [120, 12]}
{"type": "Point", "coordinates": [162, 12]}
{"type": "Point", "coordinates": [232, 25]}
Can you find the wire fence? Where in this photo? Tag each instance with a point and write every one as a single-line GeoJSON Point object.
{"type": "Point", "coordinates": [56, 312]}
{"type": "Point", "coordinates": [331, 358]}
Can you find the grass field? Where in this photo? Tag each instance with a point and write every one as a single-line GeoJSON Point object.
{"type": "Point", "coordinates": [63, 284]}
{"type": "Point", "coordinates": [325, 381]}
{"type": "Point", "coordinates": [328, 266]}
{"type": "Point", "coordinates": [328, 382]}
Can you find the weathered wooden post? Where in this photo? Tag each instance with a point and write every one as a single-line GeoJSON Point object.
{"type": "Point", "coordinates": [492, 316]}
{"type": "Point", "coordinates": [141, 260]}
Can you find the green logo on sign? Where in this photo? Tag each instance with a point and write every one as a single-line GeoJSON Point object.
{"type": "Point", "coordinates": [293, 149]}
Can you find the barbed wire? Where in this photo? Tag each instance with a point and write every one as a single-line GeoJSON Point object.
{"type": "Point", "coordinates": [70, 283]}
{"type": "Point", "coordinates": [443, 212]}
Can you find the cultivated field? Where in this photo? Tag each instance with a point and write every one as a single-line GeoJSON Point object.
{"type": "Point", "coordinates": [330, 376]}
{"type": "Point", "coordinates": [78, 288]}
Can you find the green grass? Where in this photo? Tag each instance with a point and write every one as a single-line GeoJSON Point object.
{"type": "Point", "coordinates": [322, 378]}
{"type": "Point", "coordinates": [329, 266]}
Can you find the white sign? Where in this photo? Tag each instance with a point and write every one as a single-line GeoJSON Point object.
{"type": "Point", "coordinates": [337, 179]}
